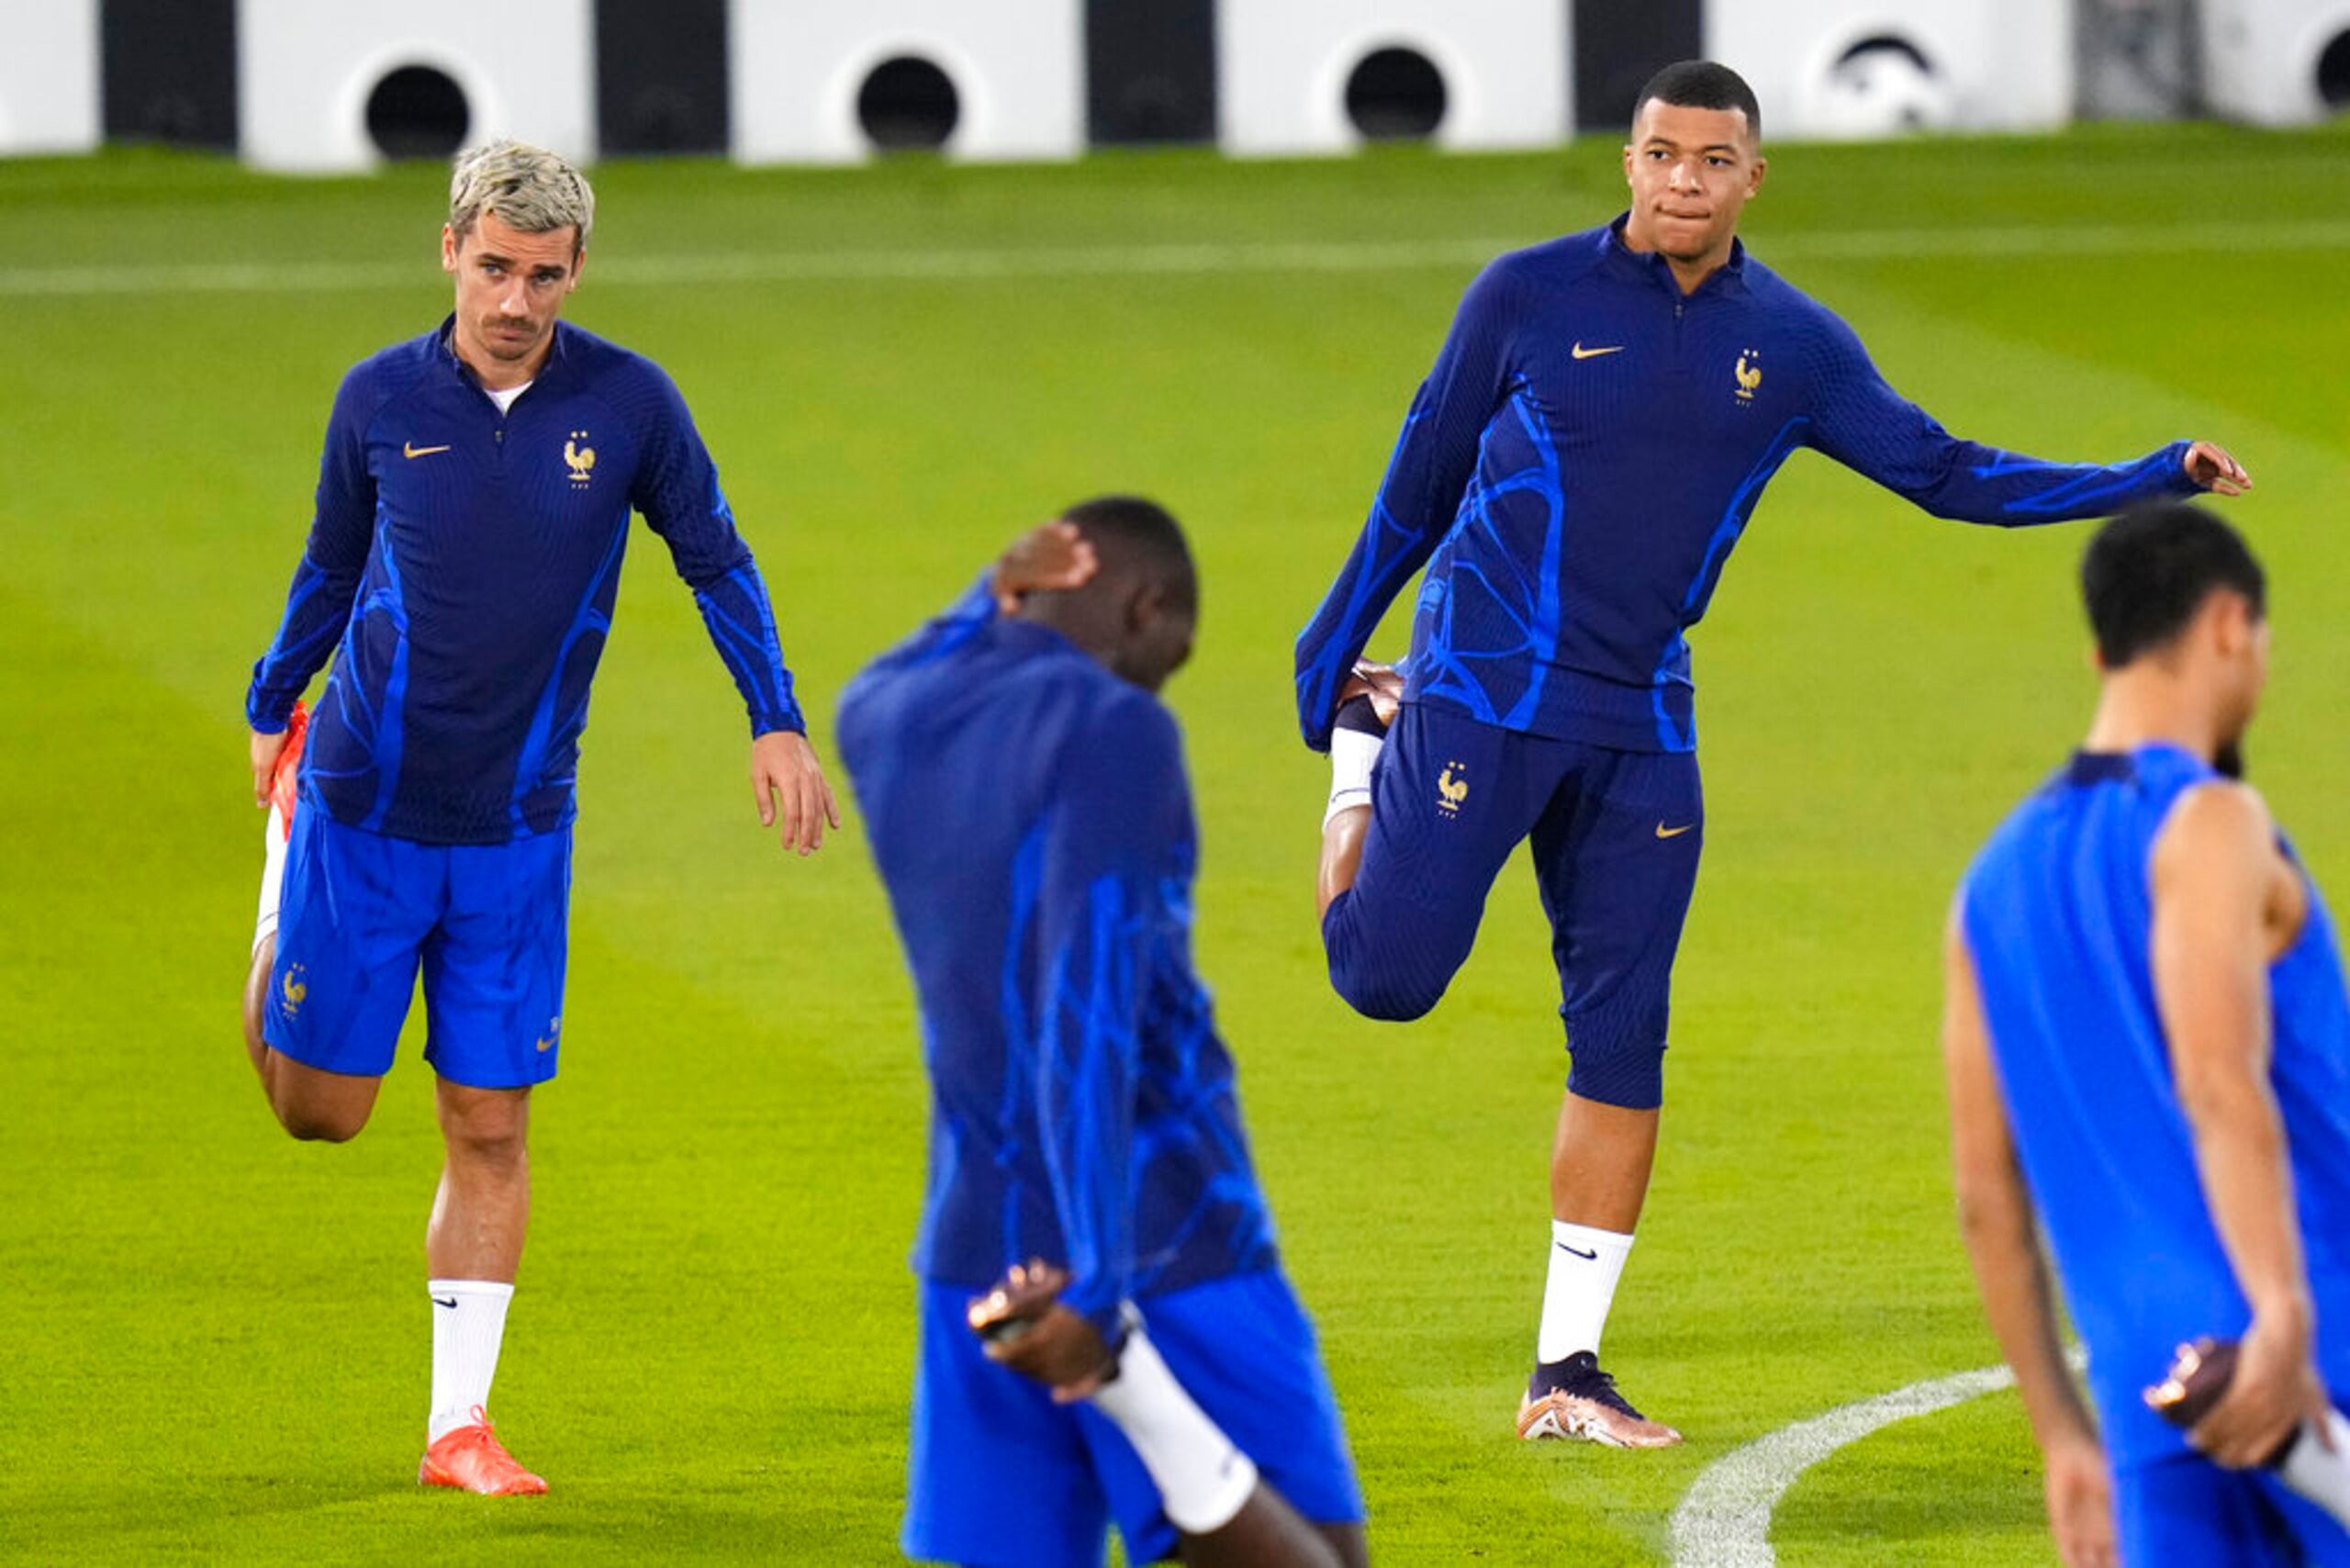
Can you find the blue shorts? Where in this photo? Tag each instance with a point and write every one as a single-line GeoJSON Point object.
{"type": "Point", "coordinates": [2189, 1513]}
{"type": "Point", "coordinates": [360, 914]}
{"type": "Point", "coordinates": [1615, 837]}
{"type": "Point", "coordinates": [1000, 1476]}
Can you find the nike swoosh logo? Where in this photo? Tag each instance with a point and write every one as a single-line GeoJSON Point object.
{"type": "Point", "coordinates": [1664, 831]}
{"type": "Point", "coordinates": [1582, 352]}
{"type": "Point", "coordinates": [412, 451]}
{"type": "Point", "coordinates": [1590, 1257]}
{"type": "Point", "coordinates": [450, 1302]}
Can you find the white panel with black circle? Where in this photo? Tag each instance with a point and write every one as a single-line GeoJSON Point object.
{"type": "Point", "coordinates": [2277, 62]}
{"type": "Point", "coordinates": [1872, 68]}
{"type": "Point", "coordinates": [836, 83]}
{"type": "Point", "coordinates": [49, 77]}
{"type": "Point", "coordinates": [1297, 77]}
{"type": "Point", "coordinates": [333, 85]}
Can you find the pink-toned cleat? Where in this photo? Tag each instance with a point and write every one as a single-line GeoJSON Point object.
{"type": "Point", "coordinates": [1575, 1399]}
{"type": "Point", "coordinates": [471, 1459]}
{"type": "Point", "coordinates": [285, 782]}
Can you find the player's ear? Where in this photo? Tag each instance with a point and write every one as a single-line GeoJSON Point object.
{"type": "Point", "coordinates": [578, 265]}
{"type": "Point", "coordinates": [1755, 179]}
{"type": "Point", "coordinates": [447, 248]}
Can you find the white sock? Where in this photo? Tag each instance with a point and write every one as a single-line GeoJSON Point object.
{"type": "Point", "coordinates": [468, 1321]}
{"type": "Point", "coordinates": [1203, 1479]}
{"type": "Point", "coordinates": [272, 876]}
{"type": "Point", "coordinates": [2323, 1478]}
{"type": "Point", "coordinates": [1352, 755]}
{"type": "Point", "coordinates": [1585, 1266]}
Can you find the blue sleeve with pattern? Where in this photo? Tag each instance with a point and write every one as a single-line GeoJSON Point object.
{"type": "Point", "coordinates": [1118, 813]}
{"type": "Point", "coordinates": [342, 528]}
{"type": "Point", "coordinates": [676, 488]}
{"type": "Point", "coordinates": [1433, 461]}
{"type": "Point", "coordinates": [1865, 424]}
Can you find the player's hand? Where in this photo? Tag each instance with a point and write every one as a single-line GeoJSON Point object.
{"type": "Point", "coordinates": [2275, 1389]}
{"type": "Point", "coordinates": [2212, 468]}
{"type": "Point", "coordinates": [1052, 555]}
{"type": "Point", "coordinates": [2080, 1504]}
{"type": "Point", "coordinates": [265, 751]}
{"type": "Point", "coordinates": [1026, 1329]}
{"type": "Point", "coordinates": [788, 785]}
{"type": "Point", "coordinates": [1383, 684]}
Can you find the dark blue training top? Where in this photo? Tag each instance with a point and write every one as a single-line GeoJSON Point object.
{"type": "Point", "coordinates": [1582, 458]}
{"type": "Point", "coordinates": [2058, 917]}
{"type": "Point", "coordinates": [467, 560]}
{"type": "Point", "coordinates": [1029, 813]}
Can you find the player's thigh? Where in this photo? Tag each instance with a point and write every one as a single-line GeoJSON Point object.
{"type": "Point", "coordinates": [1450, 798]}
{"type": "Point", "coordinates": [1616, 857]}
{"type": "Point", "coordinates": [494, 970]}
{"type": "Point", "coordinates": [2189, 1513]}
{"type": "Point", "coordinates": [996, 1472]}
{"type": "Point", "coordinates": [1245, 1352]}
{"type": "Point", "coordinates": [355, 912]}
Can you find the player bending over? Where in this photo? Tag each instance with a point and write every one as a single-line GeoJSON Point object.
{"type": "Point", "coordinates": [2148, 1046]}
{"type": "Point", "coordinates": [1574, 474]}
{"type": "Point", "coordinates": [473, 505]}
{"type": "Point", "coordinates": [1029, 813]}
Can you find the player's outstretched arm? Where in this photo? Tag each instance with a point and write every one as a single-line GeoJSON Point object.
{"type": "Point", "coordinates": [2011, 1273]}
{"type": "Point", "coordinates": [2216, 871]}
{"type": "Point", "coordinates": [1229, 1516]}
{"type": "Point", "coordinates": [1861, 421]}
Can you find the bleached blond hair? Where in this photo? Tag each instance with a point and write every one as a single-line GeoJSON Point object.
{"type": "Point", "coordinates": [526, 187]}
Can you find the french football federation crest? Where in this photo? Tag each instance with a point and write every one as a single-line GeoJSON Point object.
{"type": "Point", "coordinates": [1451, 788]}
{"type": "Point", "coordinates": [581, 459]}
{"type": "Point", "coordinates": [1749, 374]}
{"type": "Point", "coordinates": [292, 991]}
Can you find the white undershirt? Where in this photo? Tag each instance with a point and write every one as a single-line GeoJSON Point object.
{"type": "Point", "coordinates": [505, 398]}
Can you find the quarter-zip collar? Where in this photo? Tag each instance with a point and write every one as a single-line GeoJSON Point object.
{"type": "Point", "coordinates": [1731, 276]}
{"type": "Point", "coordinates": [446, 341]}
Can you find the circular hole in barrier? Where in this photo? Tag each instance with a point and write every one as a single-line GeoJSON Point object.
{"type": "Point", "coordinates": [2333, 74]}
{"type": "Point", "coordinates": [908, 102]}
{"type": "Point", "coordinates": [418, 112]}
{"type": "Point", "coordinates": [1395, 94]}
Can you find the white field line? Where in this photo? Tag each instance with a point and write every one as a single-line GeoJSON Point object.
{"type": "Point", "coordinates": [1724, 1520]}
{"type": "Point", "coordinates": [854, 266]}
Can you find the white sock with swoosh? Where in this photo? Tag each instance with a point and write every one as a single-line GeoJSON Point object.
{"type": "Point", "coordinates": [1585, 1263]}
{"type": "Point", "coordinates": [468, 1323]}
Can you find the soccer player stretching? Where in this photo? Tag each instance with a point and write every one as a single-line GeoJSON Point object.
{"type": "Point", "coordinates": [2148, 1045]}
{"type": "Point", "coordinates": [1026, 799]}
{"type": "Point", "coordinates": [473, 505]}
{"type": "Point", "coordinates": [1574, 474]}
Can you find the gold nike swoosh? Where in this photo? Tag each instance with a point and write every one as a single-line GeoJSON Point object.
{"type": "Point", "coordinates": [1664, 831]}
{"type": "Point", "coordinates": [408, 450]}
{"type": "Point", "coordinates": [1582, 352]}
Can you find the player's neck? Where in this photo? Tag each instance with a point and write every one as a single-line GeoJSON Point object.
{"type": "Point", "coordinates": [2152, 707]}
{"type": "Point", "coordinates": [1688, 274]}
{"type": "Point", "coordinates": [501, 375]}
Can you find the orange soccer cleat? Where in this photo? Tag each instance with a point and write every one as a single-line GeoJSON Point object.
{"type": "Point", "coordinates": [285, 782]}
{"type": "Point", "coordinates": [472, 1460]}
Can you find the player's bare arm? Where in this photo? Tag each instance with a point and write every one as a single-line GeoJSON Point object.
{"type": "Point", "coordinates": [265, 747]}
{"type": "Point", "coordinates": [2003, 1245]}
{"type": "Point", "coordinates": [2225, 905]}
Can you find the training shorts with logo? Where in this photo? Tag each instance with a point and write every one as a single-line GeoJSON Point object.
{"type": "Point", "coordinates": [999, 1476]}
{"type": "Point", "coordinates": [362, 915]}
{"type": "Point", "coordinates": [1615, 837]}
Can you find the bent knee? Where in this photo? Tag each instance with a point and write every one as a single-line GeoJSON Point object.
{"type": "Point", "coordinates": [314, 1123]}
{"type": "Point", "coordinates": [1388, 993]}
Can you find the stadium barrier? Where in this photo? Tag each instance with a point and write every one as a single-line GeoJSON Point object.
{"type": "Point", "coordinates": [49, 77]}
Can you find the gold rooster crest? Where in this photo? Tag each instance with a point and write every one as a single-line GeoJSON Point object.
{"type": "Point", "coordinates": [1451, 788]}
{"type": "Point", "coordinates": [1750, 377]}
{"type": "Point", "coordinates": [294, 989]}
{"type": "Point", "coordinates": [582, 459]}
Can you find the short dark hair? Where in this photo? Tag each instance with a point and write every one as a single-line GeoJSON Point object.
{"type": "Point", "coordinates": [1702, 85]}
{"type": "Point", "coordinates": [2148, 572]}
{"type": "Point", "coordinates": [1131, 533]}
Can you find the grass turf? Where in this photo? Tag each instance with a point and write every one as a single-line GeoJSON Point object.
{"type": "Point", "coordinates": [215, 1338]}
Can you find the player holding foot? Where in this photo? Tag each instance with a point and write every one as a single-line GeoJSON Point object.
{"type": "Point", "coordinates": [1028, 807]}
{"type": "Point", "coordinates": [1574, 474]}
{"type": "Point", "coordinates": [473, 505]}
{"type": "Point", "coordinates": [2148, 1045]}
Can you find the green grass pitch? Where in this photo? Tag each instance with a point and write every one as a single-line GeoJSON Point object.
{"type": "Point", "coordinates": [213, 1340]}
